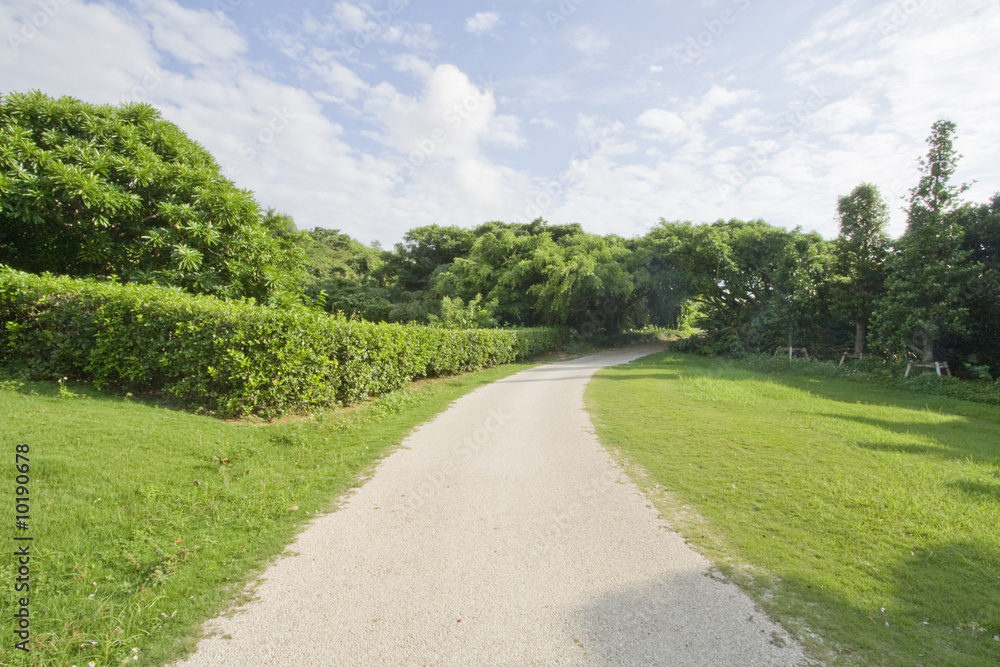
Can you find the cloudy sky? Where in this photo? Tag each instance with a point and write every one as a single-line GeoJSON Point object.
{"type": "Point", "coordinates": [376, 117]}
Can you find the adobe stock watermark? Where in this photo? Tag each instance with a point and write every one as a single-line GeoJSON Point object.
{"type": "Point", "coordinates": [140, 92]}
{"type": "Point", "coordinates": [898, 15]}
{"type": "Point", "coordinates": [453, 118]}
{"type": "Point", "coordinates": [47, 10]}
{"type": "Point", "coordinates": [256, 144]}
{"type": "Point", "coordinates": [543, 199]}
{"type": "Point", "coordinates": [901, 190]}
{"type": "Point", "coordinates": [694, 48]}
{"type": "Point", "coordinates": [566, 8]}
{"type": "Point", "coordinates": [787, 124]}
{"type": "Point", "coordinates": [462, 452]}
{"type": "Point", "coordinates": [588, 495]}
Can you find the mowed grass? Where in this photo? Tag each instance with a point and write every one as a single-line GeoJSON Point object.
{"type": "Point", "coordinates": [148, 521]}
{"type": "Point", "coordinates": [867, 521]}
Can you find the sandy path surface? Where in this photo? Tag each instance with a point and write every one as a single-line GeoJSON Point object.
{"type": "Point", "coordinates": [501, 533]}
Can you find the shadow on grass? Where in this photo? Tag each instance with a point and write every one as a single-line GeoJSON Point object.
{"type": "Point", "coordinates": [901, 448]}
{"type": "Point", "coordinates": [955, 439]}
{"type": "Point", "coordinates": [981, 490]}
{"type": "Point", "coordinates": [939, 610]}
{"type": "Point", "coordinates": [74, 390]}
{"type": "Point", "coordinates": [942, 608]}
{"type": "Point", "coordinates": [621, 377]}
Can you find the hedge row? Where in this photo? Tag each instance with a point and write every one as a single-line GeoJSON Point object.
{"type": "Point", "coordinates": [229, 358]}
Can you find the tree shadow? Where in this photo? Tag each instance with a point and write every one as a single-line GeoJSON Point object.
{"type": "Point", "coordinates": [939, 605]}
{"type": "Point", "coordinates": [623, 377]}
{"type": "Point", "coordinates": [687, 618]}
{"type": "Point", "coordinates": [980, 490]}
{"type": "Point", "coordinates": [852, 390]}
{"type": "Point", "coordinates": [952, 438]}
{"type": "Point", "coordinates": [900, 448]}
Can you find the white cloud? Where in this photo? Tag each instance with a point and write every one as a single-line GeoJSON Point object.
{"type": "Point", "coordinates": [743, 122]}
{"type": "Point", "coordinates": [366, 24]}
{"type": "Point", "coordinates": [481, 23]}
{"type": "Point", "coordinates": [717, 98]}
{"type": "Point", "coordinates": [342, 81]}
{"type": "Point", "coordinates": [197, 37]}
{"type": "Point", "coordinates": [505, 131]}
{"type": "Point", "coordinates": [419, 37]}
{"type": "Point", "coordinates": [665, 124]}
{"type": "Point", "coordinates": [438, 136]}
{"type": "Point", "coordinates": [588, 41]}
{"type": "Point", "coordinates": [407, 62]}
{"type": "Point", "coordinates": [844, 115]}
{"type": "Point", "coordinates": [353, 17]}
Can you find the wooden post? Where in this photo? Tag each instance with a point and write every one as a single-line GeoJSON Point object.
{"type": "Point", "coordinates": [848, 355]}
{"type": "Point", "coordinates": [938, 366]}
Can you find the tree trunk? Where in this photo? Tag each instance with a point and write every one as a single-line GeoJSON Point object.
{"type": "Point", "coordinates": [859, 338]}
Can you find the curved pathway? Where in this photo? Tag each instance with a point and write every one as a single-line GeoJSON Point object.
{"type": "Point", "coordinates": [500, 533]}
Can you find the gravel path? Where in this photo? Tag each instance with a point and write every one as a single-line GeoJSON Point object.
{"type": "Point", "coordinates": [500, 533]}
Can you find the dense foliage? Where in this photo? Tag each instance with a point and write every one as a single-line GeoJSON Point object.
{"type": "Point", "coordinates": [229, 357]}
{"type": "Point", "coordinates": [107, 191]}
{"type": "Point", "coordinates": [121, 194]}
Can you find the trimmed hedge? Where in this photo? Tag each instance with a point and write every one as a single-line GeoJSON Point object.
{"type": "Point", "coordinates": [231, 358]}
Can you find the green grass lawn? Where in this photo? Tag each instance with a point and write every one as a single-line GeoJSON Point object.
{"type": "Point", "coordinates": [147, 521]}
{"type": "Point", "coordinates": [866, 520]}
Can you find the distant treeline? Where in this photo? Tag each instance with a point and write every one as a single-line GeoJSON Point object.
{"type": "Point", "coordinates": [933, 294]}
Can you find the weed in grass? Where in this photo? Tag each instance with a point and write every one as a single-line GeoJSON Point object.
{"type": "Point", "coordinates": [64, 391]}
{"type": "Point", "coordinates": [12, 386]}
{"type": "Point", "coordinates": [865, 519]}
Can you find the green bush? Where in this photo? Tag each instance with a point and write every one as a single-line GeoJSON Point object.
{"type": "Point", "coordinates": [228, 357]}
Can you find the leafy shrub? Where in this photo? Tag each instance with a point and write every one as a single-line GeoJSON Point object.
{"type": "Point", "coordinates": [90, 190]}
{"type": "Point", "coordinates": [228, 357]}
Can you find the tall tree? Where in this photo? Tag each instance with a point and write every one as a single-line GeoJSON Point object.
{"type": "Point", "coordinates": [861, 252]}
{"type": "Point", "coordinates": [931, 271]}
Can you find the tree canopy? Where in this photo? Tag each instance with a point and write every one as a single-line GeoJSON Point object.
{"type": "Point", "coordinates": [862, 250]}
{"type": "Point", "coordinates": [99, 190]}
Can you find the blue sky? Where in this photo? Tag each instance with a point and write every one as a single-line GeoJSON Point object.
{"type": "Point", "coordinates": [376, 117]}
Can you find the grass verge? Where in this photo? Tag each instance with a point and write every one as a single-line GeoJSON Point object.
{"type": "Point", "coordinates": [866, 520]}
{"type": "Point", "coordinates": [147, 521]}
